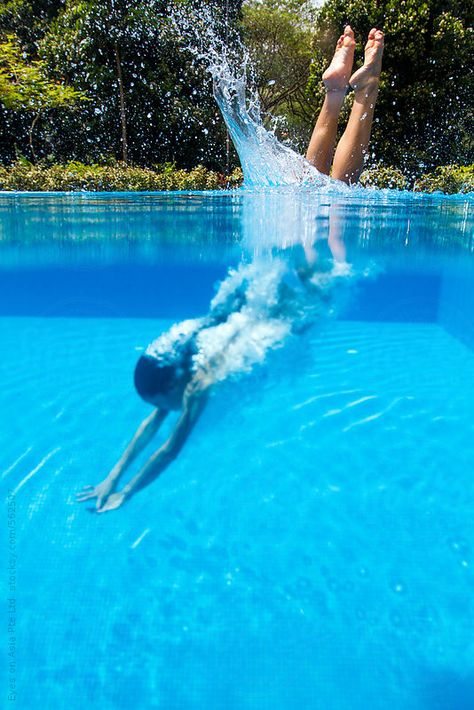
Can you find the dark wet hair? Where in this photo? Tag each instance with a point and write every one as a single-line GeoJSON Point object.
{"type": "Point", "coordinates": [160, 375]}
{"type": "Point", "coordinates": [153, 377]}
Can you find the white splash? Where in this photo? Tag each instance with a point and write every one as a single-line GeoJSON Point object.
{"type": "Point", "coordinates": [265, 161]}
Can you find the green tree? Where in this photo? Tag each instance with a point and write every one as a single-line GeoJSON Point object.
{"type": "Point", "coordinates": [96, 34]}
{"type": "Point", "coordinates": [26, 87]}
{"type": "Point", "coordinates": [279, 35]}
{"type": "Point", "coordinates": [150, 101]}
{"type": "Point", "coordinates": [28, 19]}
{"type": "Point", "coordinates": [425, 107]}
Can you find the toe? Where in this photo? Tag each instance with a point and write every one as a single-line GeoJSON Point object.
{"type": "Point", "coordinates": [348, 36]}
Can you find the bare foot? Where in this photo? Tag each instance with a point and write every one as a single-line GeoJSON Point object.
{"type": "Point", "coordinates": [367, 77]}
{"type": "Point", "coordinates": [336, 76]}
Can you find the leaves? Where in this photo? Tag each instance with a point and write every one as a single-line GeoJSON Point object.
{"type": "Point", "coordinates": [279, 36]}
{"type": "Point", "coordinates": [425, 105]}
{"type": "Point", "coordinates": [24, 175]}
{"type": "Point", "coordinates": [170, 113]}
{"type": "Point", "coordinates": [26, 87]}
{"type": "Point", "coordinates": [61, 55]}
{"type": "Point", "coordinates": [448, 179]}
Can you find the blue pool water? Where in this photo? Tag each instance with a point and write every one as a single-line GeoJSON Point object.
{"type": "Point", "coordinates": [312, 545]}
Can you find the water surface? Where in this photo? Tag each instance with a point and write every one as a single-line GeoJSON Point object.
{"type": "Point", "coordinates": [312, 545]}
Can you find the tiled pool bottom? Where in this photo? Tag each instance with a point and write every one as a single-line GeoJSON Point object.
{"type": "Point", "coordinates": [312, 546]}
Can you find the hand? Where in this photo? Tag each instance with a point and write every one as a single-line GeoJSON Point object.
{"type": "Point", "coordinates": [113, 501]}
{"type": "Point", "coordinates": [102, 491]}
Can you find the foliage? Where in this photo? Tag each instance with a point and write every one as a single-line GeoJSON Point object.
{"type": "Point", "coordinates": [117, 177]}
{"type": "Point", "coordinates": [424, 111]}
{"type": "Point", "coordinates": [278, 34]}
{"type": "Point", "coordinates": [384, 176]}
{"type": "Point", "coordinates": [27, 19]}
{"type": "Point", "coordinates": [26, 87]}
{"type": "Point", "coordinates": [447, 178]}
{"type": "Point", "coordinates": [26, 176]}
{"type": "Point", "coordinates": [149, 101]}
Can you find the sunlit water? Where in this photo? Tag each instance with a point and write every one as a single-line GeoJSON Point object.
{"type": "Point", "coordinates": [265, 161]}
{"type": "Point", "coordinates": [312, 545]}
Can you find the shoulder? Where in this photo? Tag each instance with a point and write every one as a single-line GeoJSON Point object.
{"type": "Point", "coordinates": [198, 387]}
{"type": "Point", "coordinates": [169, 343]}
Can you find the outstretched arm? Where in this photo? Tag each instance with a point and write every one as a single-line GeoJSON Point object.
{"type": "Point", "coordinates": [144, 434]}
{"type": "Point", "coordinates": [194, 400]}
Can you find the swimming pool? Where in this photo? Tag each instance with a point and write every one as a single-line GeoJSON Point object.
{"type": "Point", "coordinates": [312, 546]}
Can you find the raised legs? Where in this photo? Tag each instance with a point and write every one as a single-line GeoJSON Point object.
{"type": "Point", "coordinates": [351, 150]}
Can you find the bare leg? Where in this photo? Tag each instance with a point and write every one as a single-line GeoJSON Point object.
{"type": "Point", "coordinates": [336, 80]}
{"type": "Point", "coordinates": [352, 148]}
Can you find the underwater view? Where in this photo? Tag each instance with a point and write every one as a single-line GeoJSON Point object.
{"type": "Point", "coordinates": [312, 544]}
{"type": "Point", "coordinates": [238, 424]}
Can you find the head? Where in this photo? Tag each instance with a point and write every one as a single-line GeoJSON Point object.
{"type": "Point", "coordinates": [160, 382]}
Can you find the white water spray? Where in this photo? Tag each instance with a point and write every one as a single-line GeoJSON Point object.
{"type": "Point", "coordinates": [265, 161]}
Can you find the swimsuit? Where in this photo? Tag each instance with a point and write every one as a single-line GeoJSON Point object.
{"type": "Point", "coordinates": [257, 306]}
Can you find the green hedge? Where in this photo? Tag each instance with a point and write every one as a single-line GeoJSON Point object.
{"type": "Point", "coordinates": [447, 178]}
{"type": "Point", "coordinates": [384, 177]}
{"type": "Point", "coordinates": [25, 176]}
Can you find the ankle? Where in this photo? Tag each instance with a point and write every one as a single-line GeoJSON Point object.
{"type": "Point", "coordinates": [368, 92]}
{"type": "Point", "coordinates": [334, 99]}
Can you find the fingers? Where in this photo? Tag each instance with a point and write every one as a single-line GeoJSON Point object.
{"type": "Point", "coordinates": [86, 493]}
{"type": "Point", "coordinates": [81, 497]}
{"type": "Point", "coordinates": [111, 503]}
{"type": "Point", "coordinates": [103, 503]}
{"type": "Point", "coordinates": [94, 509]}
{"type": "Point", "coordinates": [104, 508]}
